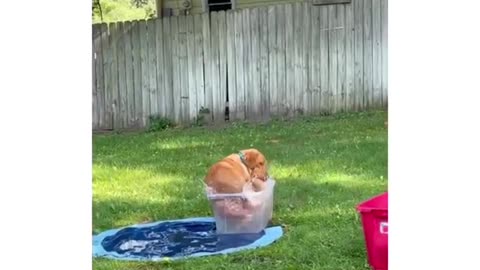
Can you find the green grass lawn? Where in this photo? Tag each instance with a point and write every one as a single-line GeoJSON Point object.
{"type": "Point", "coordinates": [324, 167]}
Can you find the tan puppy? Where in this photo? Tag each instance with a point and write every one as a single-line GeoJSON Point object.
{"type": "Point", "coordinates": [230, 174]}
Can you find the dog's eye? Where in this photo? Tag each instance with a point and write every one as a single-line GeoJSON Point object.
{"type": "Point", "coordinates": [261, 163]}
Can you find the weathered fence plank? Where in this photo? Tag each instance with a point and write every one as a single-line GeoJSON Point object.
{"type": "Point", "coordinates": [307, 47]}
{"type": "Point", "coordinates": [264, 79]}
{"type": "Point", "coordinates": [145, 72]}
{"type": "Point", "coordinates": [168, 68]}
{"type": "Point", "coordinates": [298, 58]}
{"type": "Point", "coordinates": [215, 67]}
{"type": "Point", "coordinates": [137, 75]}
{"type": "Point", "coordinates": [161, 94]}
{"type": "Point", "coordinates": [115, 102]}
{"type": "Point", "coordinates": [281, 61]}
{"type": "Point", "coordinates": [272, 63]}
{"type": "Point", "coordinates": [349, 58]}
{"type": "Point", "coordinates": [239, 67]}
{"type": "Point", "coordinates": [177, 70]}
{"type": "Point", "coordinates": [358, 66]}
{"type": "Point", "coordinates": [122, 89]}
{"type": "Point", "coordinates": [183, 69]}
{"type": "Point", "coordinates": [152, 67]}
{"type": "Point", "coordinates": [377, 53]}
{"type": "Point", "coordinates": [324, 65]}
{"type": "Point", "coordinates": [290, 61]}
{"type": "Point", "coordinates": [207, 59]}
{"type": "Point", "coordinates": [231, 70]}
{"type": "Point", "coordinates": [130, 91]}
{"type": "Point", "coordinates": [367, 53]}
{"type": "Point", "coordinates": [99, 75]}
{"type": "Point", "coordinates": [247, 62]}
{"type": "Point", "coordinates": [95, 114]}
{"type": "Point", "coordinates": [107, 63]}
{"type": "Point", "coordinates": [332, 57]}
{"type": "Point", "coordinates": [384, 13]}
{"type": "Point", "coordinates": [192, 91]}
{"type": "Point", "coordinates": [341, 92]}
{"type": "Point", "coordinates": [200, 84]}
{"type": "Point", "coordinates": [315, 62]}
{"type": "Point", "coordinates": [222, 68]}
{"type": "Point", "coordinates": [95, 106]}
{"type": "Point", "coordinates": [254, 97]}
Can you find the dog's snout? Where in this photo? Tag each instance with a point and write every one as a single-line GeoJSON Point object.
{"type": "Point", "coordinates": [261, 177]}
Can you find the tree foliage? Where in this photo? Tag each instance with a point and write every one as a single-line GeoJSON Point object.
{"type": "Point", "coordinates": [97, 9]}
{"type": "Point", "coordinates": [122, 10]}
{"type": "Point", "coordinates": [139, 3]}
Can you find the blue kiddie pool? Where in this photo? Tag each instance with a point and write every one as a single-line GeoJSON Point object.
{"type": "Point", "coordinates": [176, 239]}
{"type": "Point", "coordinates": [195, 237]}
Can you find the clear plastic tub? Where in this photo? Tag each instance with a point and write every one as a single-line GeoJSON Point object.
{"type": "Point", "coordinates": [246, 212]}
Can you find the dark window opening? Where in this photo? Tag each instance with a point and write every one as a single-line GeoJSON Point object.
{"type": "Point", "coordinates": [217, 5]}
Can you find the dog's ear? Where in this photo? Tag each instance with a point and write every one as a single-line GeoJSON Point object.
{"type": "Point", "coordinates": [251, 157]}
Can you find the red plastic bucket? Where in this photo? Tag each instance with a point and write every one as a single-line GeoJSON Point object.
{"type": "Point", "coordinates": [374, 214]}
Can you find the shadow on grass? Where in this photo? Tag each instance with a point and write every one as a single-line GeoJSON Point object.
{"type": "Point", "coordinates": [364, 158]}
{"type": "Point", "coordinates": [297, 202]}
{"type": "Point", "coordinates": [357, 146]}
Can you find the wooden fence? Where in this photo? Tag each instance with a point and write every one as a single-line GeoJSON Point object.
{"type": "Point", "coordinates": [277, 61]}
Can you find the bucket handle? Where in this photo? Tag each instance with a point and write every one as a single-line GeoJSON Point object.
{"type": "Point", "coordinates": [384, 227]}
